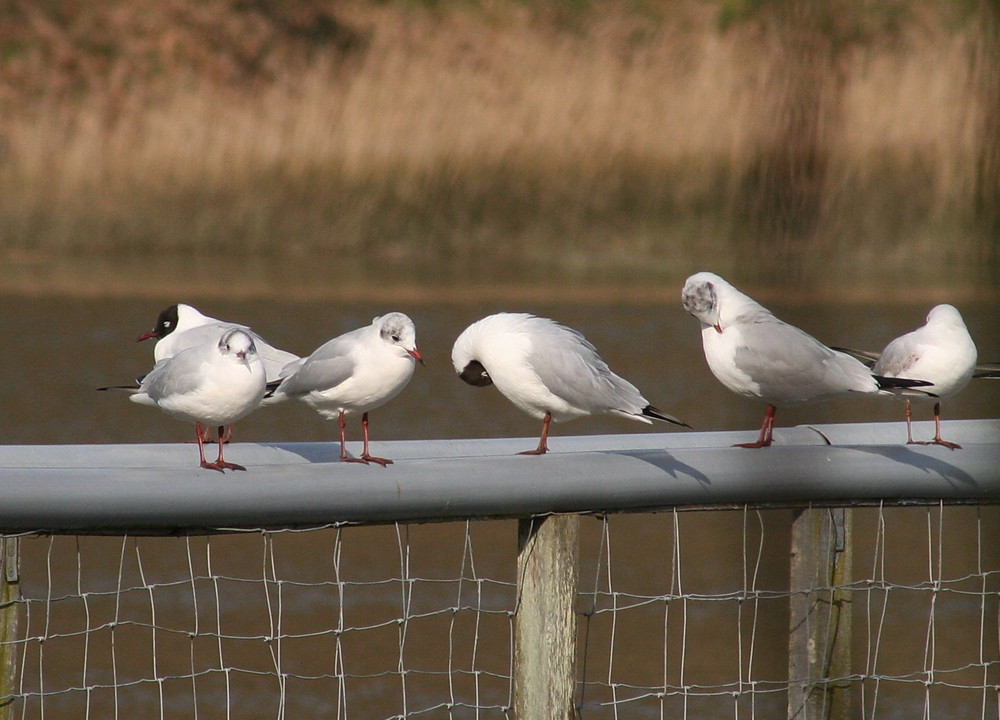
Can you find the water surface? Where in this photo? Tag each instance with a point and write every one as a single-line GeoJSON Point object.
{"type": "Point", "coordinates": [57, 351]}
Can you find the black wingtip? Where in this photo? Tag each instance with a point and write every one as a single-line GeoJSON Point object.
{"type": "Point", "coordinates": [657, 414]}
{"type": "Point", "coordinates": [887, 383]}
{"type": "Point", "coordinates": [270, 388]}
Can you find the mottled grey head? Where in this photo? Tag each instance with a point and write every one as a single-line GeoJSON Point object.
{"type": "Point", "coordinates": [238, 344]}
{"type": "Point", "coordinates": [700, 297]}
{"type": "Point", "coordinates": [397, 330]}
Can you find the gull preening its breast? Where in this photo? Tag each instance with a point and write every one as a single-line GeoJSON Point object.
{"type": "Point", "coordinates": [756, 355]}
{"type": "Point", "coordinates": [547, 370]}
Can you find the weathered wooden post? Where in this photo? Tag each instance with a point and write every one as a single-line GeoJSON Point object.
{"type": "Point", "coordinates": [8, 623]}
{"type": "Point", "coordinates": [819, 638]}
{"type": "Point", "coordinates": [545, 618]}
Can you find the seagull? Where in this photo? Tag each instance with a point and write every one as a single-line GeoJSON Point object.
{"type": "Point", "coordinates": [983, 371]}
{"type": "Point", "coordinates": [942, 352]}
{"type": "Point", "coordinates": [547, 370]}
{"type": "Point", "coordinates": [182, 326]}
{"type": "Point", "coordinates": [755, 354]}
{"type": "Point", "coordinates": [215, 384]}
{"type": "Point", "coordinates": [354, 373]}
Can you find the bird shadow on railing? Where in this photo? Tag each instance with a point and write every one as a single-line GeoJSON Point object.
{"type": "Point", "coordinates": [908, 456]}
{"type": "Point", "coordinates": [666, 462]}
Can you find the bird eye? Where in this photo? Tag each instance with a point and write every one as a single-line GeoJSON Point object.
{"type": "Point", "coordinates": [395, 338]}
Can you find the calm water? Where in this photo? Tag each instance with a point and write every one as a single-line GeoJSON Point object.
{"type": "Point", "coordinates": [57, 351]}
{"type": "Point", "coordinates": [60, 350]}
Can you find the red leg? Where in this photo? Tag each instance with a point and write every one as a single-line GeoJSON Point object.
{"type": "Point", "coordinates": [201, 433]}
{"type": "Point", "coordinates": [365, 455]}
{"type": "Point", "coordinates": [909, 424]}
{"type": "Point", "coordinates": [770, 426]}
{"type": "Point", "coordinates": [221, 462]}
{"type": "Point", "coordinates": [342, 423]}
{"type": "Point", "coordinates": [937, 433]}
{"type": "Point", "coordinates": [765, 438]}
{"type": "Point", "coordinates": [543, 441]}
{"type": "Point", "coordinates": [937, 430]}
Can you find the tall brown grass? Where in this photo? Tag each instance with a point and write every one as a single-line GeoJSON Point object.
{"type": "Point", "coordinates": [497, 140]}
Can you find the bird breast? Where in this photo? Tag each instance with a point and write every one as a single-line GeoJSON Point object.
{"type": "Point", "coordinates": [720, 354]}
{"type": "Point", "coordinates": [948, 364]}
{"type": "Point", "coordinates": [227, 393]}
{"type": "Point", "coordinates": [371, 385]}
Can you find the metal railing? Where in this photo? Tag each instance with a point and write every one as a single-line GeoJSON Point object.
{"type": "Point", "coordinates": [823, 470]}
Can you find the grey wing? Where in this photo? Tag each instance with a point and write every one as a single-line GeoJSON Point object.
{"type": "Point", "coordinates": [201, 334]}
{"type": "Point", "coordinates": [898, 357]}
{"type": "Point", "coordinates": [272, 358]}
{"type": "Point", "coordinates": [330, 365]}
{"type": "Point", "coordinates": [867, 357]}
{"type": "Point", "coordinates": [292, 367]}
{"type": "Point", "coordinates": [572, 370]}
{"type": "Point", "coordinates": [178, 375]}
{"type": "Point", "coordinates": [791, 366]}
{"type": "Point", "coordinates": [275, 361]}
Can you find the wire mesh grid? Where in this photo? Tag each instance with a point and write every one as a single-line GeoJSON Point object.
{"type": "Point", "coordinates": [681, 614]}
{"type": "Point", "coordinates": [714, 642]}
{"type": "Point", "coordinates": [262, 625]}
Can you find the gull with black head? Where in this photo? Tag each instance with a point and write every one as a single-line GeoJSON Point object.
{"type": "Point", "coordinates": [182, 326]}
{"type": "Point", "coordinates": [214, 384]}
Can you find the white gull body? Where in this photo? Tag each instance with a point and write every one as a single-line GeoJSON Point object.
{"type": "Point", "coordinates": [756, 355]}
{"type": "Point", "coordinates": [354, 373]}
{"type": "Point", "coordinates": [548, 370]}
{"type": "Point", "coordinates": [213, 384]}
{"type": "Point", "coordinates": [941, 352]}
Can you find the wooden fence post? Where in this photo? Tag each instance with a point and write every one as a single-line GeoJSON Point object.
{"type": "Point", "coordinates": [819, 639]}
{"type": "Point", "coordinates": [9, 610]}
{"type": "Point", "coordinates": [545, 618]}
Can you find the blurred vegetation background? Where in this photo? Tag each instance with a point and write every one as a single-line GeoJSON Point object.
{"type": "Point", "coordinates": [305, 142]}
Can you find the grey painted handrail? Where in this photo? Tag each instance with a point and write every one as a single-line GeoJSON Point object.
{"type": "Point", "coordinates": [158, 489]}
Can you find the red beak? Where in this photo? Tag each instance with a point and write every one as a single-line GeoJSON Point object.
{"type": "Point", "coordinates": [416, 355]}
{"type": "Point", "coordinates": [147, 336]}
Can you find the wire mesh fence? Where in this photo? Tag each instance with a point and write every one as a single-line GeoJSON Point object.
{"type": "Point", "coordinates": [681, 614]}
{"type": "Point", "coordinates": [923, 602]}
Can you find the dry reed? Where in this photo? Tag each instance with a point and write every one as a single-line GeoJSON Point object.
{"type": "Point", "coordinates": [489, 139]}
